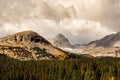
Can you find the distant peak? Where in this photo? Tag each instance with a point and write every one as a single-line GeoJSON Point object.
{"type": "Point", "coordinates": [60, 35]}
{"type": "Point", "coordinates": [61, 41]}
{"type": "Point", "coordinates": [118, 33]}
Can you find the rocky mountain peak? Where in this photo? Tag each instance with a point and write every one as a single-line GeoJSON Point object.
{"type": "Point", "coordinates": [61, 37]}
{"type": "Point", "coordinates": [61, 41]}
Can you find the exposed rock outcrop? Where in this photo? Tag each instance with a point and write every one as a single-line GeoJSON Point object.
{"type": "Point", "coordinates": [61, 41]}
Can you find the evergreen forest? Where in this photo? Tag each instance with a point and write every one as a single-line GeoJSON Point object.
{"type": "Point", "coordinates": [104, 68]}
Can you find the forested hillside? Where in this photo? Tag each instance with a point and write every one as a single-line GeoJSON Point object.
{"type": "Point", "coordinates": [73, 69]}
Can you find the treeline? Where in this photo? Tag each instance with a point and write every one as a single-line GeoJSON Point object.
{"type": "Point", "coordinates": [73, 69]}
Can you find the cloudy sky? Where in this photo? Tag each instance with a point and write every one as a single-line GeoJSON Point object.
{"type": "Point", "coordinates": [81, 21]}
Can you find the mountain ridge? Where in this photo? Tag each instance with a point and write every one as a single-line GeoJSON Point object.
{"type": "Point", "coordinates": [106, 46]}
{"type": "Point", "coordinates": [107, 41]}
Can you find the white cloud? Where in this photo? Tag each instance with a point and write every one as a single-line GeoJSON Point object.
{"type": "Point", "coordinates": [80, 20]}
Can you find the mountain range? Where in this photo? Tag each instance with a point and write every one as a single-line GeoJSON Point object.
{"type": "Point", "coordinates": [29, 45]}
{"type": "Point", "coordinates": [107, 46]}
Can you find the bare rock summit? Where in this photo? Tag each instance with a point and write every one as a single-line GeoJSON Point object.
{"type": "Point", "coordinates": [61, 41]}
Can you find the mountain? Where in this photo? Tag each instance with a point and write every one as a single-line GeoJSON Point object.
{"type": "Point", "coordinates": [108, 46]}
{"type": "Point", "coordinates": [61, 41]}
{"type": "Point", "coordinates": [108, 41]}
{"type": "Point", "coordinates": [29, 45]}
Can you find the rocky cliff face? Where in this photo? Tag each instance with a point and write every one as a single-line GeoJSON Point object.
{"type": "Point", "coordinates": [29, 45]}
{"type": "Point", "coordinates": [61, 41]}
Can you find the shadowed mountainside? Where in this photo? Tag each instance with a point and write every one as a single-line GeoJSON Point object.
{"type": "Point", "coordinates": [108, 41]}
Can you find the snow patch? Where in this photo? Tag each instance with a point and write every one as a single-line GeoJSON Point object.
{"type": "Point", "coordinates": [76, 51]}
